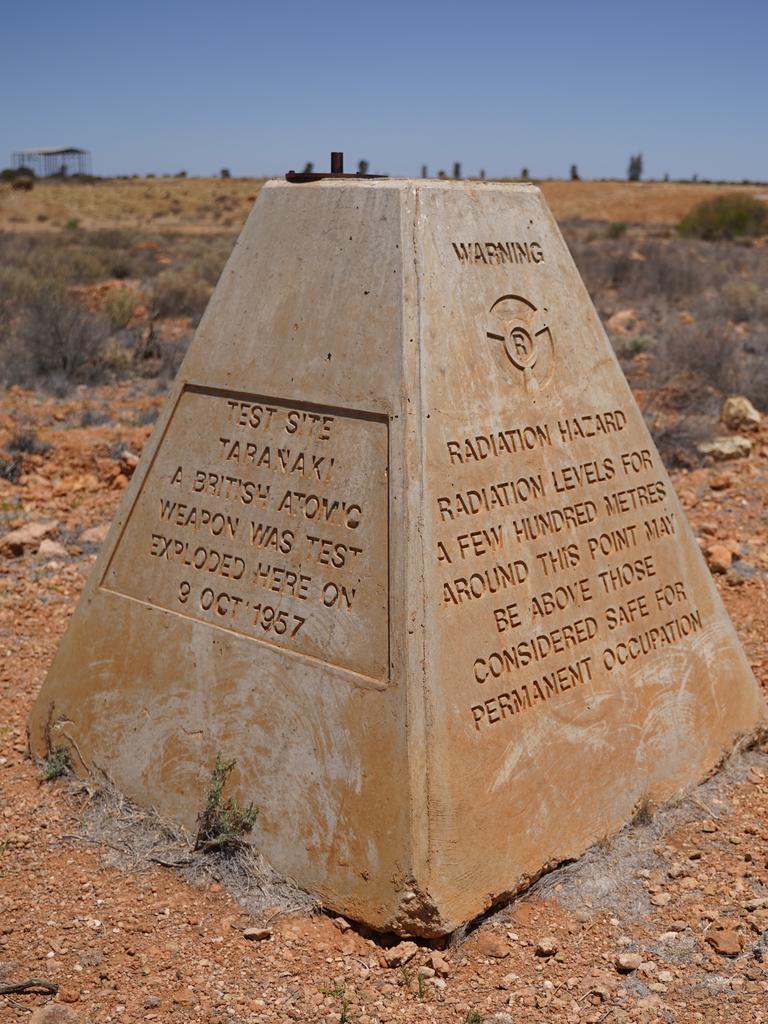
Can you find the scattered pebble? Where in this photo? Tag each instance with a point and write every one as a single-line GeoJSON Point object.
{"type": "Point", "coordinates": [440, 964]}
{"type": "Point", "coordinates": [401, 954]}
{"type": "Point", "coordinates": [724, 941]}
{"type": "Point", "coordinates": [547, 946]}
{"type": "Point", "coordinates": [627, 962]}
{"type": "Point", "coordinates": [492, 945]}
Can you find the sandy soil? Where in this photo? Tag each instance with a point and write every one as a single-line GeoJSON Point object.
{"type": "Point", "coordinates": [682, 898]}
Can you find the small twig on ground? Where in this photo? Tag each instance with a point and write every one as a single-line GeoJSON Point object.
{"type": "Point", "coordinates": [28, 985]}
{"type": "Point", "coordinates": [79, 751]}
{"type": "Point", "coordinates": [700, 803]}
{"type": "Point", "coordinates": [97, 842]}
{"type": "Point", "coordinates": [171, 863]}
{"type": "Point", "coordinates": [20, 1006]}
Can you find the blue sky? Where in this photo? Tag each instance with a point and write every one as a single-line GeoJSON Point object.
{"type": "Point", "coordinates": [259, 88]}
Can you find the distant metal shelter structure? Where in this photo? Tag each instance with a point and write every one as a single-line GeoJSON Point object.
{"type": "Point", "coordinates": [46, 162]}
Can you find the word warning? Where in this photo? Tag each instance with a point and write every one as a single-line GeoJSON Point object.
{"type": "Point", "coordinates": [268, 519]}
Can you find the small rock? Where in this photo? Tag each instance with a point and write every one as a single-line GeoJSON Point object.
{"type": "Point", "coordinates": [721, 482]}
{"type": "Point", "coordinates": [128, 461]}
{"type": "Point", "coordinates": [490, 944]}
{"type": "Point", "coordinates": [500, 1018]}
{"type": "Point", "coordinates": [440, 964]}
{"type": "Point", "coordinates": [342, 924]}
{"type": "Point", "coordinates": [426, 972]}
{"type": "Point", "coordinates": [51, 549]}
{"type": "Point", "coordinates": [547, 946]}
{"type": "Point", "coordinates": [27, 537]}
{"type": "Point", "coordinates": [68, 995]}
{"type": "Point", "coordinates": [401, 954]}
{"type": "Point", "coordinates": [738, 413]}
{"type": "Point", "coordinates": [660, 899]}
{"type": "Point", "coordinates": [724, 941]}
{"type": "Point", "coordinates": [627, 962]}
{"type": "Point", "coordinates": [151, 1003]}
{"type": "Point", "coordinates": [257, 934]}
{"type": "Point", "coordinates": [348, 943]}
{"type": "Point", "coordinates": [725, 448]}
{"type": "Point", "coordinates": [719, 558]}
{"type": "Point", "coordinates": [94, 534]}
{"type": "Point", "coordinates": [509, 981]}
{"type": "Point", "coordinates": [121, 481]}
{"type": "Point", "coordinates": [183, 997]}
{"type": "Point", "coordinates": [54, 1013]}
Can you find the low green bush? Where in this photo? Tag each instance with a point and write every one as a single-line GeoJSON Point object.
{"type": "Point", "coordinates": [617, 229]}
{"type": "Point", "coordinates": [729, 216]}
{"type": "Point", "coordinates": [223, 823]}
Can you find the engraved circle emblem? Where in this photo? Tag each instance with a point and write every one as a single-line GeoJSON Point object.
{"type": "Point", "coordinates": [521, 333]}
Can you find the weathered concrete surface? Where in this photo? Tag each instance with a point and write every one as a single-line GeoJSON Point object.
{"type": "Point", "coordinates": [401, 545]}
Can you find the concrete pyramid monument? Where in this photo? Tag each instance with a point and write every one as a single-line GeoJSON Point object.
{"type": "Point", "coordinates": [402, 545]}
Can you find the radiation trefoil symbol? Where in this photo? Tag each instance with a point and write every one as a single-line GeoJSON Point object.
{"type": "Point", "coordinates": [525, 339]}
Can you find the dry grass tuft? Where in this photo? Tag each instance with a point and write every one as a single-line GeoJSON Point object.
{"type": "Point", "coordinates": [137, 839]}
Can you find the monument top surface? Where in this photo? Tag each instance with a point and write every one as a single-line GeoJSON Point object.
{"type": "Point", "coordinates": [455, 184]}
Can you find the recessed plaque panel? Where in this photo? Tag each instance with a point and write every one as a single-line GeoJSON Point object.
{"type": "Point", "coordinates": [269, 519]}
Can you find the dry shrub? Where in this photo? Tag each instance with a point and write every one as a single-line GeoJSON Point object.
{"type": "Point", "coordinates": [708, 353]}
{"type": "Point", "coordinates": [656, 270]}
{"type": "Point", "coordinates": [120, 305]}
{"type": "Point", "coordinates": [26, 441]}
{"type": "Point", "coordinates": [56, 339]}
{"type": "Point", "coordinates": [180, 293]}
{"type": "Point", "coordinates": [744, 300]}
{"type": "Point", "coordinates": [171, 357]}
{"type": "Point", "coordinates": [672, 271]}
{"type": "Point", "coordinates": [702, 307]}
{"type": "Point", "coordinates": [17, 284]}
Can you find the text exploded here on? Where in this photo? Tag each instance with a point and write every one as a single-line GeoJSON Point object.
{"type": "Point", "coordinates": [270, 520]}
